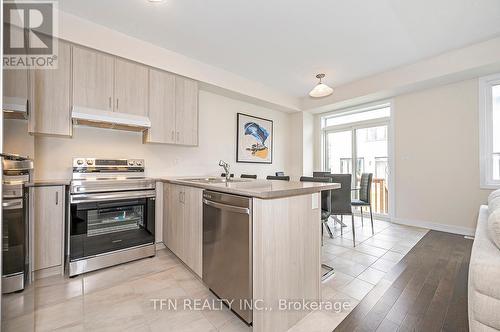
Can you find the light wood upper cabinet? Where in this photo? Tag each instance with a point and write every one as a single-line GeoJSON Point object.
{"type": "Point", "coordinates": [15, 82]}
{"type": "Point", "coordinates": [106, 82]}
{"type": "Point", "coordinates": [51, 97]}
{"type": "Point", "coordinates": [15, 85]}
{"type": "Point", "coordinates": [173, 109]}
{"type": "Point", "coordinates": [182, 226]}
{"type": "Point", "coordinates": [161, 107]}
{"type": "Point", "coordinates": [186, 111]}
{"type": "Point", "coordinates": [93, 77]}
{"type": "Point", "coordinates": [131, 87]}
{"type": "Point", "coordinates": [48, 227]}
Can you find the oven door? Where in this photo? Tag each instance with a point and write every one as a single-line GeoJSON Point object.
{"type": "Point", "coordinates": [13, 237]}
{"type": "Point", "coordinates": [105, 223]}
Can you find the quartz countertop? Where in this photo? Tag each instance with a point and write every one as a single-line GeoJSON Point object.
{"type": "Point", "coordinates": [265, 189]}
{"type": "Point", "coordinates": [44, 183]}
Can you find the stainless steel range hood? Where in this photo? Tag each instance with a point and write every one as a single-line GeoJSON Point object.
{"type": "Point", "coordinates": [106, 119]}
{"type": "Point", "coordinates": [15, 107]}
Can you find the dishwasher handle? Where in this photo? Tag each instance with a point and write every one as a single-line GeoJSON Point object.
{"type": "Point", "coordinates": [227, 207]}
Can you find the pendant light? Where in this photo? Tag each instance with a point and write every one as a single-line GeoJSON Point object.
{"type": "Point", "coordinates": [321, 89]}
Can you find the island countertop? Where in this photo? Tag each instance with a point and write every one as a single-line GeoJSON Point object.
{"type": "Point", "coordinates": [264, 189]}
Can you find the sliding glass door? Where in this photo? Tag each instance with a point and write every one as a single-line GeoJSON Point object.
{"type": "Point", "coordinates": [361, 147]}
{"type": "Point", "coordinates": [372, 148]}
{"type": "Point", "coordinates": [339, 152]}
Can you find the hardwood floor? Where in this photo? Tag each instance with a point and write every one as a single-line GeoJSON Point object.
{"type": "Point", "coordinates": [425, 291]}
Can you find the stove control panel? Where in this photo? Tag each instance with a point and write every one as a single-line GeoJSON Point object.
{"type": "Point", "coordinates": [96, 163]}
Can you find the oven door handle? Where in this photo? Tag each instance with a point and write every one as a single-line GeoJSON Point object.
{"type": "Point", "coordinates": [89, 198]}
{"type": "Point", "coordinates": [13, 204]}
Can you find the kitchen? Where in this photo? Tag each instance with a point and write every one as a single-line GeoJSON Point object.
{"type": "Point", "coordinates": [80, 192]}
{"type": "Point", "coordinates": [82, 124]}
{"type": "Point", "coordinates": [185, 166]}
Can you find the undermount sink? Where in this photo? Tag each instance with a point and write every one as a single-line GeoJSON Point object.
{"type": "Point", "coordinates": [214, 180]}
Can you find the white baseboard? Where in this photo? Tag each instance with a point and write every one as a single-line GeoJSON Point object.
{"type": "Point", "coordinates": [434, 226]}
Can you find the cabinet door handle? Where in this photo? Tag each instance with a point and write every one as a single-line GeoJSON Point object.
{"type": "Point", "coordinates": [177, 136]}
{"type": "Point", "coordinates": [116, 103]}
{"type": "Point", "coordinates": [173, 136]}
{"type": "Point", "coordinates": [57, 198]}
{"type": "Point", "coordinates": [109, 102]}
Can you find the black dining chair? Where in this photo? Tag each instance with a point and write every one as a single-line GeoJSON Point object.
{"type": "Point", "coordinates": [326, 207]}
{"type": "Point", "coordinates": [283, 178]}
{"type": "Point", "coordinates": [365, 189]}
{"type": "Point", "coordinates": [279, 173]}
{"type": "Point", "coordinates": [341, 200]}
{"type": "Point", "coordinates": [248, 176]}
{"type": "Point", "coordinates": [321, 174]}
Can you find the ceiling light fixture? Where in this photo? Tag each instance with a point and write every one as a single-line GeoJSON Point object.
{"type": "Point", "coordinates": [155, 0]}
{"type": "Point", "coordinates": [321, 89]}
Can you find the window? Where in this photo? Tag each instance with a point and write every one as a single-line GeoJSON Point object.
{"type": "Point", "coordinates": [489, 108]}
{"type": "Point", "coordinates": [356, 116]}
{"type": "Point", "coordinates": [381, 167]}
{"type": "Point", "coordinates": [346, 165]}
{"type": "Point", "coordinates": [376, 134]}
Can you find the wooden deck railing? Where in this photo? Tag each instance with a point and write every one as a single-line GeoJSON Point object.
{"type": "Point", "coordinates": [380, 196]}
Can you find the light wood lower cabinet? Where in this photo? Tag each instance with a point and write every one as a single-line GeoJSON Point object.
{"type": "Point", "coordinates": [48, 227]}
{"type": "Point", "coordinates": [193, 228]}
{"type": "Point", "coordinates": [173, 214]}
{"type": "Point", "coordinates": [182, 224]}
{"type": "Point", "coordinates": [286, 258]}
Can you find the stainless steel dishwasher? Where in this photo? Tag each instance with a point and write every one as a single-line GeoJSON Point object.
{"type": "Point", "coordinates": [227, 249]}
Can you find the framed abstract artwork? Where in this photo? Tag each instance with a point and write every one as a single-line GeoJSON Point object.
{"type": "Point", "coordinates": [254, 139]}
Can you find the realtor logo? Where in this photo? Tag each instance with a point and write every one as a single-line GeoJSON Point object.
{"type": "Point", "coordinates": [29, 28]}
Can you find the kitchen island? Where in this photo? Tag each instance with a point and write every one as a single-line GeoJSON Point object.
{"type": "Point", "coordinates": [285, 239]}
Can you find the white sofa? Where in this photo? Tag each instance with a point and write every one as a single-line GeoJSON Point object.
{"type": "Point", "coordinates": [484, 279]}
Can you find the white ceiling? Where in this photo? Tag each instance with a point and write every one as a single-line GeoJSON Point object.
{"type": "Point", "coordinates": [284, 43]}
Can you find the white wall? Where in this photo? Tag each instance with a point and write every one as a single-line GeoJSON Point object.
{"type": "Point", "coordinates": [296, 140]}
{"type": "Point", "coordinates": [307, 144]}
{"type": "Point", "coordinates": [302, 138]}
{"type": "Point", "coordinates": [16, 139]}
{"type": "Point", "coordinates": [217, 129]}
{"type": "Point", "coordinates": [437, 157]}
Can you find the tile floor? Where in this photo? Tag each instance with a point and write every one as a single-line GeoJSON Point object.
{"type": "Point", "coordinates": [120, 298]}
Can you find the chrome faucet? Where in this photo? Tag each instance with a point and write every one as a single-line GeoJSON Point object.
{"type": "Point", "coordinates": [226, 167]}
